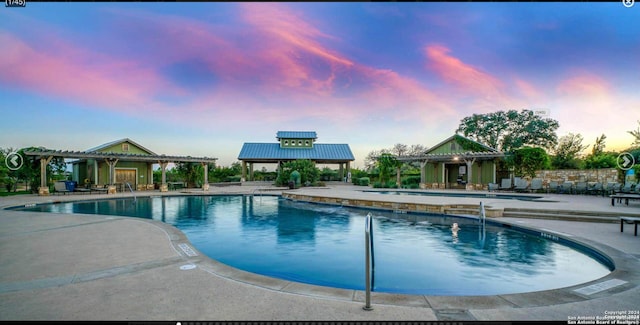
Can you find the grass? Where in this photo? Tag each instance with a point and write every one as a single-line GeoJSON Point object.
{"type": "Point", "coordinates": [14, 193]}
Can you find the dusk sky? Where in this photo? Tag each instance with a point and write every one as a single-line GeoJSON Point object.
{"type": "Point", "coordinates": [200, 79]}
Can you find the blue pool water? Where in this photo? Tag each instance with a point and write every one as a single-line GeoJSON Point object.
{"type": "Point", "coordinates": [324, 245]}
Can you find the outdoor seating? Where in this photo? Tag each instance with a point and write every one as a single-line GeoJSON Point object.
{"type": "Point", "coordinates": [536, 185]}
{"type": "Point", "coordinates": [630, 220]}
{"type": "Point", "coordinates": [627, 188]}
{"type": "Point", "coordinates": [521, 185]}
{"type": "Point", "coordinates": [581, 188]}
{"type": "Point", "coordinates": [493, 187]}
{"type": "Point", "coordinates": [553, 187]}
{"type": "Point", "coordinates": [596, 189]}
{"type": "Point", "coordinates": [566, 188]}
{"type": "Point", "coordinates": [610, 188]}
{"type": "Point", "coordinates": [102, 189]}
{"type": "Point", "coordinates": [61, 187]}
{"type": "Point", "coordinates": [505, 185]}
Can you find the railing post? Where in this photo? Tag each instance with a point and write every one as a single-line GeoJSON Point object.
{"type": "Point", "coordinates": [367, 267]}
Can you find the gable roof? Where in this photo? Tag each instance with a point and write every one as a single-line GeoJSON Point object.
{"type": "Point", "coordinates": [296, 135]}
{"type": "Point", "coordinates": [269, 152]}
{"type": "Point", "coordinates": [116, 142]}
{"type": "Point", "coordinates": [453, 138]}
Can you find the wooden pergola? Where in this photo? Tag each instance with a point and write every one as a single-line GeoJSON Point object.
{"type": "Point", "coordinates": [45, 156]}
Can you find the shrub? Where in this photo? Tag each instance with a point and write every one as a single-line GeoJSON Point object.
{"type": "Point", "coordinates": [363, 181]}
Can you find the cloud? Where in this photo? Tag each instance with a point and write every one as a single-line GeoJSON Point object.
{"type": "Point", "coordinates": [467, 78]}
{"type": "Point", "coordinates": [112, 83]}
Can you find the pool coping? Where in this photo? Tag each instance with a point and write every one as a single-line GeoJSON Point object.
{"type": "Point", "coordinates": [626, 270]}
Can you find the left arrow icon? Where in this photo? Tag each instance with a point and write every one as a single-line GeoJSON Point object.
{"type": "Point", "coordinates": [13, 161]}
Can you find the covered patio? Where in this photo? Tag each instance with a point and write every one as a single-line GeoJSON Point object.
{"type": "Point", "coordinates": [112, 159]}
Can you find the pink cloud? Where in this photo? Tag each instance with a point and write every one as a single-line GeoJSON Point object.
{"type": "Point", "coordinates": [584, 84]}
{"type": "Point", "coordinates": [527, 89]}
{"type": "Point", "coordinates": [468, 78]}
{"type": "Point", "coordinates": [117, 84]}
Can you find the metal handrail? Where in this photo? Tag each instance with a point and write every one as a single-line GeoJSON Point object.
{"type": "Point", "coordinates": [483, 218]}
{"type": "Point", "coordinates": [131, 190]}
{"type": "Point", "coordinates": [368, 239]}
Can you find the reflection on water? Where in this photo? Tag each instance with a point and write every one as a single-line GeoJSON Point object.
{"type": "Point", "coordinates": [324, 245]}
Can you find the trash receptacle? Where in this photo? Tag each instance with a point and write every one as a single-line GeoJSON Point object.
{"type": "Point", "coordinates": [70, 185]}
{"type": "Point", "coordinates": [292, 185]}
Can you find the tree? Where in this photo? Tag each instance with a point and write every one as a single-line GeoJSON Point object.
{"type": "Point", "coordinates": [510, 130]}
{"type": "Point", "coordinates": [598, 147]}
{"type": "Point", "coordinates": [400, 149]}
{"type": "Point", "coordinates": [527, 160]}
{"type": "Point", "coordinates": [599, 158]}
{"type": "Point", "coordinates": [636, 135]}
{"type": "Point", "coordinates": [387, 163]}
{"type": "Point", "coordinates": [567, 152]}
{"type": "Point", "coordinates": [309, 173]}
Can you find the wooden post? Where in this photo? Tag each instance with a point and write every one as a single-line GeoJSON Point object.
{"type": "Point", "coordinates": [44, 188]}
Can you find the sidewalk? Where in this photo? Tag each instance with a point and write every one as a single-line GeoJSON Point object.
{"type": "Point", "coordinates": [88, 267]}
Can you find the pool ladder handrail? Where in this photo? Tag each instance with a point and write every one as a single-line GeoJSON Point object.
{"type": "Point", "coordinates": [131, 190]}
{"type": "Point", "coordinates": [483, 221]}
{"type": "Point", "coordinates": [369, 261]}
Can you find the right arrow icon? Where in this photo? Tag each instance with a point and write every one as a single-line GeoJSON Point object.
{"type": "Point", "coordinates": [625, 161]}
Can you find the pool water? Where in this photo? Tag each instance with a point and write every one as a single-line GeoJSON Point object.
{"type": "Point", "coordinates": [324, 245]}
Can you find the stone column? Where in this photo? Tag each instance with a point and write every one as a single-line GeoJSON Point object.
{"type": "Point", "coordinates": [205, 185]}
{"type": "Point", "coordinates": [244, 171]}
{"type": "Point", "coordinates": [423, 174]}
{"type": "Point", "coordinates": [163, 186]}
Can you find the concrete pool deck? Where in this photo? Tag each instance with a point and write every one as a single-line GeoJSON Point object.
{"type": "Point", "coordinates": [90, 267]}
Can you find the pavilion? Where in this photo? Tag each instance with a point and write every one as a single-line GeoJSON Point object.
{"type": "Point", "coordinates": [114, 164]}
{"type": "Point", "coordinates": [294, 145]}
{"type": "Point", "coordinates": [457, 162]}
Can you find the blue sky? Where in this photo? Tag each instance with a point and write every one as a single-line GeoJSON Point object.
{"type": "Point", "coordinates": [200, 79]}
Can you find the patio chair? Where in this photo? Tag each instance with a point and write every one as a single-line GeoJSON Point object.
{"type": "Point", "coordinates": [61, 187]}
{"type": "Point", "coordinates": [536, 185]}
{"type": "Point", "coordinates": [596, 189]}
{"type": "Point", "coordinates": [493, 187]}
{"type": "Point", "coordinates": [566, 188]}
{"type": "Point", "coordinates": [628, 186]}
{"type": "Point", "coordinates": [553, 187]}
{"type": "Point", "coordinates": [609, 188]}
{"type": "Point", "coordinates": [506, 184]}
{"type": "Point", "coordinates": [521, 185]}
{"type": "Point", "coordinates": [581, 188]}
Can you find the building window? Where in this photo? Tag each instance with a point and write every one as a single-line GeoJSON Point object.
{"type": "Point", "coordinates": [125, 147]}
{"type": "Point", "coordinates": [286, 143]}
{"type": "Point", "coordinates": [306, 142]}
{"type": "Point", "coordinates": [299, 142]}
{"type": "Point", "coordinates": [293, 143]}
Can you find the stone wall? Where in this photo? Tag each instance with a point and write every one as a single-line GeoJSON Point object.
{"type": "Point", "coordinates": [579, 175]}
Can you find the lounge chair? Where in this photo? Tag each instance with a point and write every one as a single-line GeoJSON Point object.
{"type": "Point", "coordinates": [609, 188]}
{"type": "Point", "coordinates": [98, 189]}
{"type": "Point", "coordinates": [596, 189]}
{"type": "Point", "coordinates": [521, 186]}
{"type": "Point", "coordinates": [536, 185]}
{"type": "Point", "coordinates": [506, 184]}
{"type": "Point", "coordinates": [61, 187]}
{"type": "Point", "coordinates": [566, 188]}
{"type": "Point", "coordinates": [553, 187]}
{"type": "Point", "coordinates": [493, 187]}
{"type": "Point", "coordinates": [581, 188]}
{"type": "Point", "coordinates": [627, 188]}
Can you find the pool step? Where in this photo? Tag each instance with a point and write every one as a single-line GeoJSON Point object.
{"type": "Point", "coordinates": [564, 215]}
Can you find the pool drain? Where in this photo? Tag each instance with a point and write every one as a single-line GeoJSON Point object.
{"type": "Point", "coordinates": [187, 267]}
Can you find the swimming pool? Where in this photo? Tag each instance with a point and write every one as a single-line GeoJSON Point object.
{"type": "Point", "coordinates": [471, 195]}
{"type": "Point", "coordinates": [324, 245]}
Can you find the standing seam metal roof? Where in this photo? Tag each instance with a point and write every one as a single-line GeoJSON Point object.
{"type": "Point", "coordinates": [273, 151]}
{"type": "Point", "coordinates": [296, 135]}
